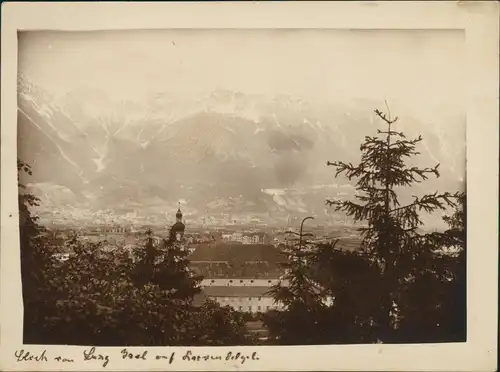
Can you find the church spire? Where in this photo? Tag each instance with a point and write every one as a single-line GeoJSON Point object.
{"type": "Point", "coordinates": [177, 229]}
{"type": "Point", "coordinates": [178, 215]}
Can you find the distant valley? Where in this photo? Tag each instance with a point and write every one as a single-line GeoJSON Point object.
{"type": "Point", "coordinates": [228, 155]}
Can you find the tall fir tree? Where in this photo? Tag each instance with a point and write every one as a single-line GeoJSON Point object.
{"type": "Point", "coordinates": [299, 293]}
{"type": "Point", "coordinates": [391, 237]}
{"type": "Point", "coordinates": [172, 272]}
{"type": "Point", "coordinates": [145, 258]}
{"type": "Point", "coordinates": [166, 264]}
{"type": "Point", "coordinates": [296, 286]}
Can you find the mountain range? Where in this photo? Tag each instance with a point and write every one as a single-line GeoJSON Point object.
{"type": "Point", "coordinates": [224, 153]}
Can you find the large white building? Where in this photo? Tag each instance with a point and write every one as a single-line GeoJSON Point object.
{"type": "Point", "coordinates": [247, 295]}
{"type": "Point", "coordinates": [243, 298]}
{"type": "Point", "coordinates": [245, 238]}
{"type": "Point", "coordinates": [239, 276]}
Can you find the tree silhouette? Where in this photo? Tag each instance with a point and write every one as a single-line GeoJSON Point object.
{"type": "Point", "coordinates": [391, 237]}
{"type": "Point", "coordinates": [171, 270]}
{"type": "Point", "coordinates": [301, 295]}
{"type": "Point", "coordinates": [145, 257]}
{"type": "Point", "coordinates": [36, 257]}
{"type": "Point", "coordinates": [298, 287]}
{"type": "Point", "coordinates": [433, 302]}
{"type": "Point", "coordinates": [108, 298]}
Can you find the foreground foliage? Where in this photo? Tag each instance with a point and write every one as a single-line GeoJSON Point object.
{"type": "Point", "coordinates": [115, 297]}
{"type": "Point", "coordinates": [404, 285]}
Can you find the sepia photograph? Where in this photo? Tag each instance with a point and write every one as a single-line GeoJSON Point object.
{"type": "Point", "coordinates": [199, 194]}
{"type": "Point", "coordinates": [168, 197]}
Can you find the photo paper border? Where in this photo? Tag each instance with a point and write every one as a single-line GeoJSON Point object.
{"type": "Point", "coordinates": [480, 22]}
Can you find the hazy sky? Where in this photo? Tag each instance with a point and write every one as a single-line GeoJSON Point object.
{"type": "Point", "coordinates": [420, 67]}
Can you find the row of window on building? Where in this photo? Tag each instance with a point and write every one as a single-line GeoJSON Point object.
{"type": "Point", "coordinates": [245, 238]}
{"type": "Point", "coordinates": [252, 308]}
{"type": "Point", "coordinates": [247, 304]}
{"type": "Point", "coordinates": [241, 281]}
{"type": "Point", "coordinates": [238, 299]}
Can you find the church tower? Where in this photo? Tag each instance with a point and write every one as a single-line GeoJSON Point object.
{"type": "Point", "coordinates": [177, 229]}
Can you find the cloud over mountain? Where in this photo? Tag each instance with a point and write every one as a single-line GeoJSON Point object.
{"type": "Point", "coordinates": [226, 146]}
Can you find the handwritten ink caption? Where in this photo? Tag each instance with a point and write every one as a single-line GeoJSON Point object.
{"type": "Point", "coordinates": [104, 359]}
{"type": "Point", "coordinates": [25, 356]}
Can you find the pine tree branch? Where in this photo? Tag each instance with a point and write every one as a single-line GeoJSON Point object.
{"type": "Point", "coordinates": [429, 203]}
{"type": "Point", "coordinates": [381, 115]}
{"type": "Point", "coordinates": [439, 240]}
{"type": "Point", "coordinates": [350, 170]}
{"type": "Point", "coordinates": [358, 211]}
{"type": "Point", "coordinates": [423, 172]}
{"type": "Point", "coordinates": [407, 143]}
